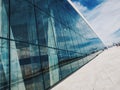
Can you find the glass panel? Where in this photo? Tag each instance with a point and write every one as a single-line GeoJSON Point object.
{"type": "Point", "coordinates": [4, 65]}
{"type": "Point", "coordinates": [46, 29]}
{"type": "Point", "coordinates": [43, 5]}
{"type": "Point", "coordinates": [42, 26]}
{"type": "Point", "coordinates": [4, 23]}
{"type": "Point", "coordinates": [81, 63]}
{"type": "Point", "coordinates": [48, 41]}
{"type": "Point", "coordinates": [65, 70]}
{"type": "Point", "coordinates": [26, 67]}
{"type": "Point", "coordinates": [74, 66]}
{"type": "Point", "coordinates": [50, 66]}
{"type": "Point", "coordinates": [63, 56]}
{"type": "Point", "coordinates": [60, 40]}
{"type": "Point", "coordinates": [22, 20]}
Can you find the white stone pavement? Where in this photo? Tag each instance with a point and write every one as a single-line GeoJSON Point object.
{"type": "Point", "coordinates": [102, 73]}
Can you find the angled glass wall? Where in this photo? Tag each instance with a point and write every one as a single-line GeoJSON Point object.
{"type": "Point", "coordinates": [42, 42]}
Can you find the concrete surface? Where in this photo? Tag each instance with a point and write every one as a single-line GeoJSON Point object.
{"type": "Point", "coordinates": [102, 73]}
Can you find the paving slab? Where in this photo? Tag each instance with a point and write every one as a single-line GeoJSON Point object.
{"type": "Point", "coordinates": [102, 73]}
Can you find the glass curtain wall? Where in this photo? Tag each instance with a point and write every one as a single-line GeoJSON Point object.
{"type": "Point", "coordinates": [41, 43]}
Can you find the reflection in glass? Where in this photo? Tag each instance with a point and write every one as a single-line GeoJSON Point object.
{"type": "Point", "coordinates": [22, 20]}
{"type": "Point", "coordinates": [4, 64]}
{"type": "Point", "coordinates": [48, 41]}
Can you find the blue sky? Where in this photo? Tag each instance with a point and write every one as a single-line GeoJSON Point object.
{"type": "Point", "coordinates": [103, 16]}
{"type": "Point", "coordinates": [90, 4]}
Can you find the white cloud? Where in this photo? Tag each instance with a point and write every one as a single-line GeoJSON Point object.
{"type": "Point", "coordinates": [104, 19]}
{"type": "Point", "coordinates": [79, 6]}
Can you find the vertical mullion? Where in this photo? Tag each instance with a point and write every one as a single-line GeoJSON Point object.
{"type": "Point", "coordinates": [38, 44]}
{"type": "Point", "coordinates": [9, 45]}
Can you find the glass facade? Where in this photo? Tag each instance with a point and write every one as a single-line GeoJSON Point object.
{"type": "Point", "coordinates": [42, 42]}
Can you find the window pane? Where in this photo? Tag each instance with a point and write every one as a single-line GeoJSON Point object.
{"type": "Point", "coordinates": [4, 23]}
{"type": "Point", "coordinates": [26, 65]}
{"type": "Point", "coordinates": [23, 26]}
{"type": "Point", "coordinates": [4, 64]}
{"type": "Point", "coordinates": [50, 66]}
